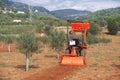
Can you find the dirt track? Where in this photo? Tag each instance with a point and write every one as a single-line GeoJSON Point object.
{"type": "Point", "coordinates": [58, 72]}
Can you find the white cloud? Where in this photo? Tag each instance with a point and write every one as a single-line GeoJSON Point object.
{"type": "Point", "coordinates": [91, 5]}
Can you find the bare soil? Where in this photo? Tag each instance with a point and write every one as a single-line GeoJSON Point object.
{"type": "Point", "coordinates": [102, 63]}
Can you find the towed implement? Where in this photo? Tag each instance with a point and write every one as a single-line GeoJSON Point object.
{"type": "Point", "coordinates": [75, 53]}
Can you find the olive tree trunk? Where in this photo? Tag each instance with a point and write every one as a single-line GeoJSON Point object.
{"type": "Point", "coordinates": [9, 49]}
{"type": "Point", "coordinates": [58, 54]}
{"type": "Point", "coordinates": [27, 62]}
{"type": "Point", "coordinates": [2, 44]}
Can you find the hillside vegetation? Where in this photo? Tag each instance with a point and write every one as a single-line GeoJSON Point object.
{"type": "Point", "coordinates": [99, 16]}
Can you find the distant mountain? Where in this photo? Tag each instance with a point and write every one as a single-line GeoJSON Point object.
{"type": "Point", "coordinates": [6, 2]}
{"type": "Point", "coordinates": [23, 7]}
{"type": "Point", "coordinates": [69, 13]}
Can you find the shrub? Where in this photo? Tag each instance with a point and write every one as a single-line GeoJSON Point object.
{"type": "Point", "coordinates": [104, 40]}
{"type": "Point", "coordinates": [94, 28]}
{"type": "Point", "coordinates": [113, 29]}
{"type": "Point", "coordinates": [48, 29]}
{"type": "Point", "coordinates": [112, 26]}
{"type": "Point", "coordinates": [91, 39]}
{"type": "Point", "coordinates": [39, 27]}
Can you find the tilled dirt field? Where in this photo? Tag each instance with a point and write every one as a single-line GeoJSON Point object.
{"type": "Point", "coordinates": [102, 63]}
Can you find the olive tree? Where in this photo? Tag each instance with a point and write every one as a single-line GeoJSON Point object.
{"type": "Point", "coordinates": [9, 40]}
{"type": "Point", "coordinates": [57, 40]}
{"type": "Point", "coordinates": [44, 40]}
{"type": "Point", "coordinates": [28, 45]}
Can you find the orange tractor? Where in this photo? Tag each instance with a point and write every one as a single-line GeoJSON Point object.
{"type": "Point", "coordinates": [72, 58]}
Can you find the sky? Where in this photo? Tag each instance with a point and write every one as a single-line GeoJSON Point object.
{"type": "Point", "coordinates": [90, 5]}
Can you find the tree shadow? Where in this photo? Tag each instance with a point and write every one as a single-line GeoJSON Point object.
{"type": "Point", "coordinates": [108, 33]}
{"type": "Point", "coordinates": [50, 56]}
{"type": "Point", "coordinates": [23, 66]}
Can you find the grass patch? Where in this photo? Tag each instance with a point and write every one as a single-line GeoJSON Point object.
{"type": "Point", "coordinates": [34, 60]}
{"type": "Point", "coordinates": [108, 67]}
{"type": "Point", "coordinates": [5, 65]}
{"type": "Point", "coordinates": [53, 63]}
{"type": "Point", "coordinates": [13, 29]}
{"type": "Point", "coordinates": [4, 79]}
{"type": "Point", "coordinates": [94, 64]}
{"type": "Point", "coordinates": [91, 39]}
{"type": "Point", "coordinates": [79, 68]}
{"type": "Point", "coordinates": [96, 55]}
{"type": "Point", "coordinates": [4, 56]}
{"type": "Point", "coordinates": [104, 40]}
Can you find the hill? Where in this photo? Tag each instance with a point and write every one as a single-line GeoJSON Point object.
{"type": "Point", "coordinates": [22, 6]}
{"type": "Point", "coordinates": [69, 13]}
{"type": "Point", "coordinates": [101, 14]}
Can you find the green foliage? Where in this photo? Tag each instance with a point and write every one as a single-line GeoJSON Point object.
{"type": "Point", "coordinates": [2, 38]}
{"type": "Point", "coordinates": [104, 40]}
{"type": "Point", "coordinates": [99, 16]}
{"type": "Point", "coordinates": [57, 39]}
{"type": "Point", "coordinates": [51, 21]}
{"type": "Point", "coordinates": [117, 19]}
{"type": "Point", "coordinates": [1, 4]}
{"type": "Point", "coordinates": [15, 29]}
{"type": "Point", "coordinates": [9, 39]}
{"type": "Point", "coordinates": [48, 29]}
{"type": "Point", "coordinates": [27, 43]}
{"type": "Point", "coordinates": [91, 39]}
{"type": "Point", "coordinates": [94, 28]}
{"type": "Point", "coordinates": [44, 39]}
{"type": "Point", "coordinates": [113, 26]}
{"type": "Point", "coordinates": [40, 27]}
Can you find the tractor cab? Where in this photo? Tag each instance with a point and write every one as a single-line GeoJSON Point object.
{"type": "Point", "coordinates": [75, 48]}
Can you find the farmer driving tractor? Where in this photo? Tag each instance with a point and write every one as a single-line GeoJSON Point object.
{"type": "Point", "coordinates": [74, 41]}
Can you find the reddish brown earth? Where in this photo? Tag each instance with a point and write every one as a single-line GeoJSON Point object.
{"type": "Point", "coordinates": [58, 72]}
{"type": "Point", "coordinates": [103, 63]}
{"type": "Point", "coordinates": [5, 47]}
